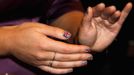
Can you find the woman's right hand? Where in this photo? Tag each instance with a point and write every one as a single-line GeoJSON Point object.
{"type": "Point", "coordinates": [30, 42]}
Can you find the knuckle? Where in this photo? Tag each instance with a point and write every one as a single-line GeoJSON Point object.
{"type": "Point", "coordinates": [34, 28]}
{"type": "Point", "coordinates": [39, 56]}
{"type": "Point", "coordinates": [42, 45]}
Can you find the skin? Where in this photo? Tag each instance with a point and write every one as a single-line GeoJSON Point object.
{"type": "Point", "coordinates": [29, 42]}
{"type": "Point", "coordinates": [101, 25]}
{"type": "Point", "coordinates": [97, 28]}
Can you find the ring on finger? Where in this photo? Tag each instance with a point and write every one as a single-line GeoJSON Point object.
{"type": "Point", "coordinates": [51, 62]}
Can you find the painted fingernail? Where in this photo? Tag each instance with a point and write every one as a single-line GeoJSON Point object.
{"type": "Point", "coordinates": [88, 50]}
{"type": "Point", "coordinates": [70, 71]}
{"type": "Point", "coordinates": [67, 35]}
{"type": "Point", "coordinates": [90, 57]}
{"type": "Point", "coordinates": [84, 63]}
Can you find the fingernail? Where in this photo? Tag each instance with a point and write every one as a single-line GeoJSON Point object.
{"type": "Point", "coordinates": [90, 57]}
{"type": "Point", "coordinates": [84, 63]}
{"type": "Point", "coordinates": [67, 35]}
{"type": "Point", "coordinates": [70, 71]}
{"type": "Point", "coordinates": [88, 50]}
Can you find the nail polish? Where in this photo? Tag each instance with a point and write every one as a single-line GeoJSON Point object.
{"type": "Point", "coordinates": [88, 50]}
{"type": "Point", "coordinates": [67, 35]}
{"type": "Point", "coordinates": [90, 57]}
{"type": "Point", "coordinates": [84, 63]}
{"type": "Point", "coordinates": [71, 71]}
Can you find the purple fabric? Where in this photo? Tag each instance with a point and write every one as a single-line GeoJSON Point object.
{"type": "Point", "coordinates": [11, 13]}
{"type": "Point", "coordinates": [9, 66]}
{"type": "Point", "coordinates": [16, 22]}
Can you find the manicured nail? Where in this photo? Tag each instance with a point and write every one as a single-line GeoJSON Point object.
{"type": "Point", "coordinates": [90, 57]}
{"type": "Point", "coordinates": [67, 35]}
{"type": "Point", "coordinates": [88, 50]}
{"type": "Point", "coordinates": [70, 71]}
{"type": "Point", "coordinates": [84, 63]}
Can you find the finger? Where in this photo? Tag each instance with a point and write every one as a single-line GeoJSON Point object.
{"type": "Point", "coordinates": [114, 17]}
{"type": "Point", "coordinates": [41, 56]}
{"type": "Point", "coordinates": [54, 31]}
{"type": "Point", "coordinates": [55, 70]}
{"type": "Point", "coordinates": [44, 55]}
{"type": "Point", "coordinates": [59, 64]}
{"type": "Point", "coordinates": [108, 12]}
{"type": "Point", "coordinates": [72, 64]}
{"type": "Point", "coordinates": [61, 47]}
{"type": "Point", "coordinates": [57, 32]}
{"type": "Point", "coordinates": [97, 10]}
{"type": "Point", "coordinates": [125, 13]}
{"type": "Point", "coordinates": [88, 16]}
{"type": "Point", "coordinates": [73, 57]}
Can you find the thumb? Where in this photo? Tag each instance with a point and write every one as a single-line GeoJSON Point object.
{"type": "Point", "coordinates": [88, 16]}
{"type": "Point", "coordinates": [55, 32]}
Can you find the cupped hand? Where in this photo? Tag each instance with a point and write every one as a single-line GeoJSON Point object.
{"type": "Point", "coordinates": [101, 25]}
{"type": "Point", "coordinates": [31, 43]}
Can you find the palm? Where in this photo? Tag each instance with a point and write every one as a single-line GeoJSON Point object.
{"type": "Point", "coordinates": [105, 32]}
{"type": "Point", "coordinates": [99, 28]}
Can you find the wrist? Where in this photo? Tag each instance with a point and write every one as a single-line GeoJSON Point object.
{"type": "Point", "coordinates": [5, 33]}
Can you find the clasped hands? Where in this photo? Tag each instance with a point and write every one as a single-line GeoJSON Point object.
{"type": "Point", "coordinates": [31, 43]}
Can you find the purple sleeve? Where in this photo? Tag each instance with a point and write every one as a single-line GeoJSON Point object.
{"type": "Point", "coordinates": [19, 21]}
{"type": "Point", "coordinates": [60, 7]}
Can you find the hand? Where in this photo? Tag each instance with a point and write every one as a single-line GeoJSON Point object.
{"type": "Point", "coordinates": [30, 43]}
{"type": "Point", "coordinates": [101, 25]}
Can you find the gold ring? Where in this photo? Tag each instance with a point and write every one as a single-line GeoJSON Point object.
{"type": "Point", "coordinates": [51, 63]}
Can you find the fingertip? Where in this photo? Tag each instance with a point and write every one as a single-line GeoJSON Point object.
{"type": "Point", "coordinates": [98, 9]}
{"type": "Point", "coordinates": [66, 35]}
{"type": "Point", "coordinates": [118, 13]}
{"type": "Point", "coordinates": [88, 15]}
{"type": "Point", "coordinates": [86, 48]}
{"type": "Point", "coordinates": [90, 57]}
{"type": "Point", "coordinates": [64, 71]}
{"type": "Point", "coordinates": [113, 8]}
{"type": "Point", "coordinates": [101, 5]}
{"type": "Point", "coordinates": [69, 71]}
{"type": "Point", "coordinates": [128, 7]}
{"type": "Point", "coordinates": [130, 4]}
{"type": "Point", "coordinates": [89, 9]}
